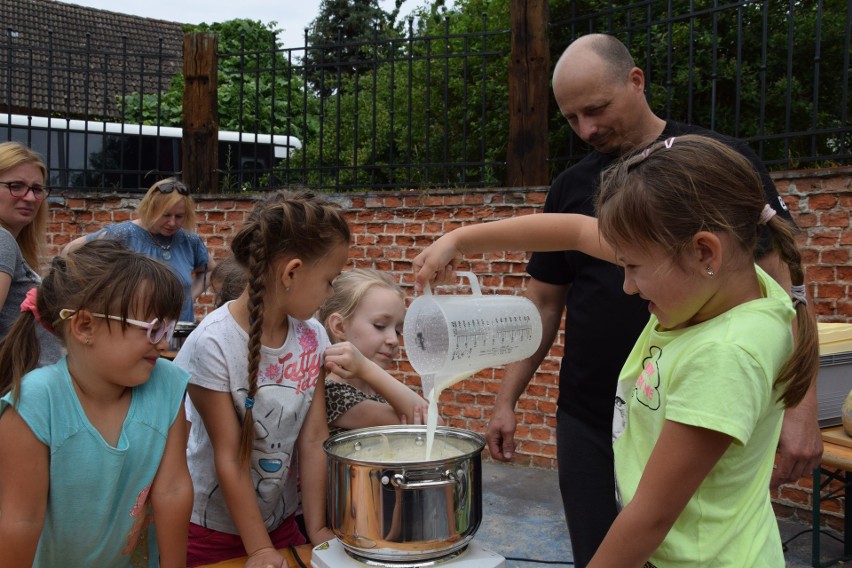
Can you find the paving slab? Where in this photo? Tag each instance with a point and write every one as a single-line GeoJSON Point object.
{"type": "Point", "coordinates": [523, 521]}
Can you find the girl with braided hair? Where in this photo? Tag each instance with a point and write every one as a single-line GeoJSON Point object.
{"type": "Point", "coordinates": [257, 396]}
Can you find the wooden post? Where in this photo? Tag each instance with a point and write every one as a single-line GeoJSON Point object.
{"type": "Point", "coordinates": [200, 113]}
{"type": "Point", "coordinates": [529, 94]}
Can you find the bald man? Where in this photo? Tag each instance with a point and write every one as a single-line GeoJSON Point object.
{"type": "Point", "coordinates": [601, 93]}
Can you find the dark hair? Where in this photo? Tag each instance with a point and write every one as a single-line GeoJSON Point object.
{"type": "Point", "coordinates": [101, 276]}
{"type": "Point", "coordinates": [230, 280]}
{"type": "Point", "coordinates": [666, 194]}
{"type": "Point", "coordinates": [295, 224]}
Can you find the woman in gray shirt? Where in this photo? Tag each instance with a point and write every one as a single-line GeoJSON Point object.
{"type": "Point", "coordinates": [23, 235]}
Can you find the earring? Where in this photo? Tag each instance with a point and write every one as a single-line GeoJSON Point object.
{"type": "Point", "coordinates": [709, 270]}
{"type": "Point", "coordinates": [87, 341]}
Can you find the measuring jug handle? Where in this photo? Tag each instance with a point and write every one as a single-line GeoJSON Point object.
{"type": "Point", "coordinates": [472, 281]}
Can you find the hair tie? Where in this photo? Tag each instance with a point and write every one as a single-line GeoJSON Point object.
{"type": "Point", "coordinates": [29, 305]}
{"type": "Point", "coordinates": [249, 402]}
{"type": "Point", "coordinates": [765, 215]}
{"type": "Point", "coordinates": [798, 294]}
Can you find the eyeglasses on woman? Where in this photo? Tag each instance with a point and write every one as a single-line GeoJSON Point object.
{"type": "Point", "coordinates": [20, 189]}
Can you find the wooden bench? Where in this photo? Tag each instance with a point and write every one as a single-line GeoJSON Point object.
{"type": "Point", "coordinates": [304, 551]}
{"type": "Point", "coordinates": [836, 465]}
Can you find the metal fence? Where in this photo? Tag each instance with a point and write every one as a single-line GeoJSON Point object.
{"type": "Point", "coordinates": [428, 107]}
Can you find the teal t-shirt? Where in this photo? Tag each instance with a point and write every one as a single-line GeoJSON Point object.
{"type": "Point", "coordinates": [718, 375]}
{"type": "Point", "coordinates": [97, 509]}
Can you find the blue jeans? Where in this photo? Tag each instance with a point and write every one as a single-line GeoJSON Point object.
{"type": "Point", "coordinates": [587, 483]}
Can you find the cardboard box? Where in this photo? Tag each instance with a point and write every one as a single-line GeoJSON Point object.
{"type": "Point", "coordinates": [835, 373]}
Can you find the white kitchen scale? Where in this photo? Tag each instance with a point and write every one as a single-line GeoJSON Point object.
{"type": "Point", "coordinates": [332, 554]}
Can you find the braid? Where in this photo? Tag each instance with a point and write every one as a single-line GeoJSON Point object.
{"type": "Point", "coordinates": [287, 224]}
{"type": "Point", "coordinates": [800, 369]}
{"type": "Point", "coordinates": [257, 266]}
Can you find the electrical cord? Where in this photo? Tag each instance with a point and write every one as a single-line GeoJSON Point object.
{"type": "Point", "coordinates": [296, 556]}
{"type": "Point", "coordinates": [534, 561]}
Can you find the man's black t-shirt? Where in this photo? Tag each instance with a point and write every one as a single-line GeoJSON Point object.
{"type": "Point", "coordinates": [601, 321]}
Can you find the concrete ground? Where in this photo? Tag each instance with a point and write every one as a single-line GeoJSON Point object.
{"type": "Point", "coordinates": [522, 520]}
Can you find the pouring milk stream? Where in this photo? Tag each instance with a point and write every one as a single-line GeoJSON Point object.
{"type": "Point", "coordinates": [449, 338]}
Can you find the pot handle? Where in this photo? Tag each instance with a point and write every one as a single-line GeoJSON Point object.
{"type": "Point", "coordinates": [400, 482]}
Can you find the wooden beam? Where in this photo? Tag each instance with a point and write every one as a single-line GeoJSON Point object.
{"type": "Point", "coordinates": [529, 94]}
{"type": "Point", "coordinates": [200, 113]}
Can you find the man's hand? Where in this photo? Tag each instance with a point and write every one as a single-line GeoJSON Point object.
{"type": "Point", "coordinates": [800, 446]}
{"type": "Point", "coordinates": [500, 433]}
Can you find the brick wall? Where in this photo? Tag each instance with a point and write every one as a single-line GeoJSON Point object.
{"type": "Point", "coordinates": [390, 228]}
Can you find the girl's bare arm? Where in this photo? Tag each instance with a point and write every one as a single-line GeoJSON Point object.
{"type": "Point", "coordinates": [313, 469]}
{"type": "Point", "coordinates": [24, 483]}
{"type": "Point", "coordinates": [171, 497]}
{"type": "Point", "coordinates": [223, 426]}
{"type": "Point", "coordinates": [681, 459]}
{"type": "Point", "coordinates": [539, 232]}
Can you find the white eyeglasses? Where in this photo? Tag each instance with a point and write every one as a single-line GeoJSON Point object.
{"type": "Point", "coordinates": [157, 330]}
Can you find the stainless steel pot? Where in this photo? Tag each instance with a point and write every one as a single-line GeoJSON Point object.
{"type": "Point", "coordinates": [182, 331]}
{"type": "Point", "coordinates": [386, 506]}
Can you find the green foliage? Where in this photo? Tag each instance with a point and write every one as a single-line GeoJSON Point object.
{"type": "Point", "coordinates": [710, 69]}
{"type": "Point", "coordinates": [258, 90]}
{"type": "Point", "coordinates": [341, 41]}
{"type": "Point", "coordinates": [433, 103]}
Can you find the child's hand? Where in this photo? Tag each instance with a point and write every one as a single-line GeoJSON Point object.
{"type": "Point", "coordinates": [420, 415]}
{"type": "Point", "coordinates": [437, 263]}
{"type": "Point", "coordinates": [325, 534]}
{"type": "Point", "coordinates": [344, 360]}
{"type": "Point", "coordinates": [266, 558]}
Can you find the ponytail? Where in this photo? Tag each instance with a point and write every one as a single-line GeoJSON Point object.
{"type": "Point", "coordinates": [801, 369]}
{"type": "Point", "coordinates": [19, 353]}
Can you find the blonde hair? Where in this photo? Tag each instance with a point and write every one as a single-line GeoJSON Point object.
{"type": "Point", "coordinates": [32, 239]}
{"type": "Point", "coordinates": [297, 224]}
{"type": "Point", "coordinates": [349, 289]}
{"type": "Point", "coordinates": [662, 196]}
{"type": "Point", "coordinates": [155, 203]}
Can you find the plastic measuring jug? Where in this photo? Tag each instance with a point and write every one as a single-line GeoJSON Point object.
{"type": "Point", "coordinates": [451, 337]}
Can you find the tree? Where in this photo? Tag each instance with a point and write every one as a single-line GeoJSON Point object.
{"type": "Point", "coordinates": [259, 90]}
{"type": "Point", "coordinates": [713, 69]}
{"type": "Point", "coordinates": [341, 40]}
{"type": "Point", "coordinates": [432, 101]}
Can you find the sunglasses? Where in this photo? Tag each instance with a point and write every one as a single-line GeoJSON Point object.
{"type": "Point", "coordinates": [171, 186]}
{"type": "Point", "coordinates": [157, 330]}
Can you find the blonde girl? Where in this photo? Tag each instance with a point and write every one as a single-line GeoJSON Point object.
{"type": "Point", "coordinates": [90, 450]}
{"type": "Point", "coordinates": [258, 404]}
{"type": "Point", "coordinates": [701, 396]}
{"type": "Point", "coordinates": [364, 321]}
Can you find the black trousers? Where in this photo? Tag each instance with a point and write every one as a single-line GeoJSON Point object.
{"type": "Point", "coordinates": [587, 483]}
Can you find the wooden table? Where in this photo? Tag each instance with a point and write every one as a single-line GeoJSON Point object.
{"type": "Point", "coordinates": [304, 551]}
{"type": "Point", "coordinates": [836, 465]}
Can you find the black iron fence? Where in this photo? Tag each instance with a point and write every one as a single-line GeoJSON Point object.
{"type": "Point", "coordinates": [427, 105]}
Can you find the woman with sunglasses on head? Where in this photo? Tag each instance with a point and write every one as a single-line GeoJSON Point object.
{"type": "Point", "coordinates": [93, 447]}
{"type": "Point", "coordinates": [23, 236]}
{"type": "Point", "coordinates": [163, 230]}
